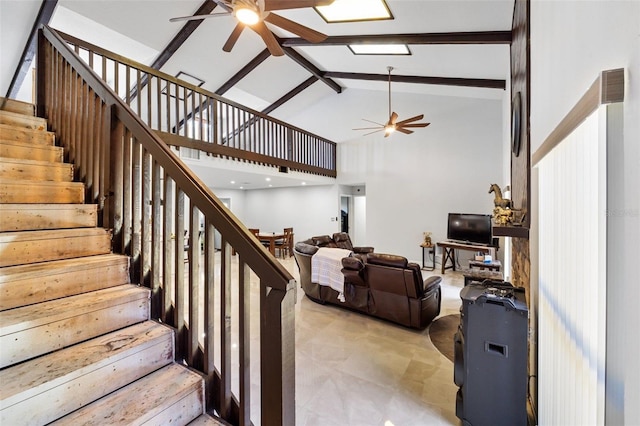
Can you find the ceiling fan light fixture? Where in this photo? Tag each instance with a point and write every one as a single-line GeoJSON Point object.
{"type": "Point", "coordinates": [247, 15]}
{"type": "Point", "coordinates": [389, 128]}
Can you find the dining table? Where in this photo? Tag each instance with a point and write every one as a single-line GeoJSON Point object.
{"type": "Point", "coordinates": [271, 238]}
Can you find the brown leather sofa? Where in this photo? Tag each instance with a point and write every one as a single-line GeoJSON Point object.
{"type": "Point", "coordinates": [339, 240]}
{"type": "Point", "coordinates": [382, 285]}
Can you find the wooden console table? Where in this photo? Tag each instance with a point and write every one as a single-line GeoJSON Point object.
{"type": "Point", "coordinates": [449, 254]}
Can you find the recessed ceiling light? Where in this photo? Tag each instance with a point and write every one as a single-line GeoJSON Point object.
{"type": "Point", "coordinates": [268, 179]}
{"type": "Point", "coordinates": [380, 49]}
{"type": "Point", "coordinates": [303, 183]}
{"type": "Point", "coordinates": [270, 185]}
{"type": "Point", "coordinates": [355, 10]}
{"type": "Point", "coordinates": [242, 187]}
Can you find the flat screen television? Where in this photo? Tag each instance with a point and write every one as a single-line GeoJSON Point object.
{"type": "Point", "coordinates": [469, 228]}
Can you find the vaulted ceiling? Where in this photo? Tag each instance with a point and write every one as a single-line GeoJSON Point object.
{"type": "Point", "coordinates": [458, 48]}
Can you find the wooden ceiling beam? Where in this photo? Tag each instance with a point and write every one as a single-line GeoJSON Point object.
{"type": "Point", "coordinates": [182, 36]}
{"type": "Point", "coordinates": [262, 56]}
{"type": "Point", "coordinates": [315, 71]}
{"type": "Point", "coordinates": [28, 53]}
{"type": "Point", "coordinates": [443, 81]}
{"type": "Point", "coordinates": [473, 37]}
{"type": "Point", "coordinates": [299, 88]}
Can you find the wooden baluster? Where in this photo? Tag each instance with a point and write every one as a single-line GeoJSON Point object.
{"type": "Point", "coordinates": [168, 250]}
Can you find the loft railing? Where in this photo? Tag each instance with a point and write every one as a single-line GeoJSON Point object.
{"type": "Point", "coordinates": [189, 116]}
{"type": "Point", "coordinates": [151, 200]}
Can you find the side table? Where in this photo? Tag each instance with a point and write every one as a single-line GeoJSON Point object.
{"type": "Point", "coordinates": [431, 252]}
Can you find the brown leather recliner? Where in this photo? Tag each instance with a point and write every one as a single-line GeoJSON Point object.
{"type": "Point", "coordinates": [342, 240]}
{"type": "Point", "coordinates": [397, 291]}
{"type": "Point", "coordinates": [382, 285]}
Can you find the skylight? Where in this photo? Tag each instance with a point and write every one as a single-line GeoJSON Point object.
{"type": "Point", "coordinates": [380, 49]}
{"type": "Point", "coordinates": [355, 10]}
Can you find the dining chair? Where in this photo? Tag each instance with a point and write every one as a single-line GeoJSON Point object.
{"type": "Point", "coordinates": [256, 232]}
{"type": "Point", "coordinates": [285, 245]}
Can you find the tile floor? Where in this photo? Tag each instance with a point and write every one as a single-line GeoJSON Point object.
{"type": "Point", "coordinates": [352, 369]}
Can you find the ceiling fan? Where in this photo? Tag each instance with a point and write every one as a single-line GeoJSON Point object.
{"type": "Point", "coordinates": [254, 14]}
{"type": "Point", "coordinates": [393, 125]}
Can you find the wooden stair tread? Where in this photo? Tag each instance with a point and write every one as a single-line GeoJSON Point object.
{"type": "Point", "coordinates": [20, 191]}
{"type": "Point", "coordinates": [46, 234]}
{"type": "Point", "coordinates": [21, 120]}
{"type": "Point", "coordinates": [15, 105]}
{"type": "Point", "coordinates": [34, 330]}
{"type": "Point", "coordinates": [167, 396]}
{"type": "Point", "coordinates": [17, 168]}
{"type": "Point", "coordinates": [10, 132]}
{"type": "Point", "coordinates": [32, 283]}
{"type": "Point", "coordinates": [21, 217]}
{"type": "Point", "coordinates": [82, 370]}
{"type": "Point", "coordinates": [28, 150]}
{"type": "Point", "coordinates": [14, 320]}
{"type": "Point", "coordinates": [38, 375]}
{"type": "Point", "coordinates": [42, 270]}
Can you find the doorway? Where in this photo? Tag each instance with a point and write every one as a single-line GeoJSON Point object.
{"type": "Point", "coordinates": [345, 208]}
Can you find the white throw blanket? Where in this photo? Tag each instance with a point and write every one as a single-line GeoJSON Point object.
{"type": "Point", "coordinates": [326, 266]}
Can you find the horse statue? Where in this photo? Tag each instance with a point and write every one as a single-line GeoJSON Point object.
{"type": "Point", "coordinates": [498, 201]}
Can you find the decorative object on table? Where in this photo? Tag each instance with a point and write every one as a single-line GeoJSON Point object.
{"type": "Point", "coordinates": [503, 212]}
{"type": "Point", "coordinates": [498, 201]}
{"type": "Point", "coordinates": [393, 124]}
{"type": "Point", "coordinates": [427, 240]}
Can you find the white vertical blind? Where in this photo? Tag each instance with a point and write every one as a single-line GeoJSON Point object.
{"type": "Point", "coordinates": [572, 277]}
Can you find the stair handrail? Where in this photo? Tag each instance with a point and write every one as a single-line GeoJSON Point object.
{"type": "Point", "coordinates": [277, 286]}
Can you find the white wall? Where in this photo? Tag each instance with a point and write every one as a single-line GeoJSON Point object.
{"type": "Point", "coordinates": [308, 210]}
{"type": "Point", "coordinates": [571, 42]}
{"type": "Point", "coordinates": [413, 181]}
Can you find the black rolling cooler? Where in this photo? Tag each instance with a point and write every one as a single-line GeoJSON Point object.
{"type": "Point", "coordinates": [490, 365]}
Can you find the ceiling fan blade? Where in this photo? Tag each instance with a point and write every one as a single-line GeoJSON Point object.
{"type": "Point", "coordinates": [393, 118]}
{"type": "Point", "coordinates": [375, 131]}
{"type": "Point", "coordinates": [305, 32]}
{"type": "Point", "coordinates": [374, 122]}
{"type": "Point", "coordinates": [368, 128]}
{"type": "Point", "coordinates": [235, 34]}
{"type": "Point", "coordinates": [415, 125]}
{"type": "Point", "coordinates": [403, 130]}
{"type": "Point", "coordinates": [409, 120]}
{"type": "Point", "coordinates": [198, 17]}
{"type": "Point", "coordinates": [269, 39]}
{"type": "Point", "coordinates": [294, 4]}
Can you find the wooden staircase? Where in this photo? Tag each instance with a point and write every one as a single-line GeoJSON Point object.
{"type": "Point", "coordinates": [76, 342]}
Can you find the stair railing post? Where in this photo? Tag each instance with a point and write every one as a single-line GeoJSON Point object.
{"type": "Point", "coordinates": [277, 355]}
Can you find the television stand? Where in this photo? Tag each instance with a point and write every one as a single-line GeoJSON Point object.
{"type": "Point", "coordinates": [449, 254]}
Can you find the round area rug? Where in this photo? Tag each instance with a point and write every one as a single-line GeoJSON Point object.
{"type": "Point", "coordinates": [441, 332]}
